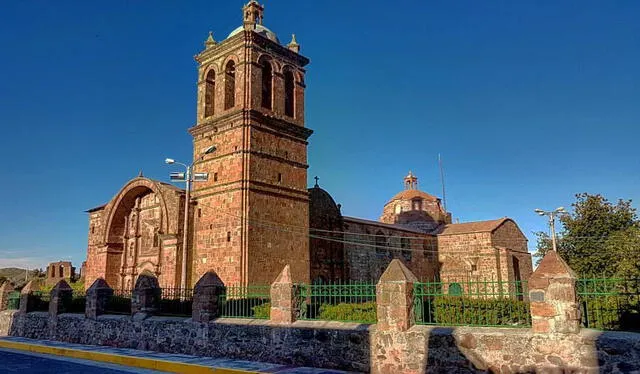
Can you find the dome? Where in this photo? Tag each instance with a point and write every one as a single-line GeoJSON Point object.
{"type": "Point", "coordinates": [412, 194]}
{"type": "Point", "coordinates": [260, 30]}
{"type": "Point", "coordinates": [320, 201]}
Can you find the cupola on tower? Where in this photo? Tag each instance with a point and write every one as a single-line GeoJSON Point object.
{"type": "Point", "coordinates": [251, 108]}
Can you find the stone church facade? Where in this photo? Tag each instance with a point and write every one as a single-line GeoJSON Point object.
{"type": "Point", "coordinates": [254, 214]}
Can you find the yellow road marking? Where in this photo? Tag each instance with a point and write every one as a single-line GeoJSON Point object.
{"type": "Point", "coordinates": [139, 362]}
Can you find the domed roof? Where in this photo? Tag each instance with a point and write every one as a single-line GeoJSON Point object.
{"type": "Point", "coordinates": [260, 30]}
{"type": "Point", "coordinates": [412, 194]}
{"type": "Point", "coordinates": [321, 201]}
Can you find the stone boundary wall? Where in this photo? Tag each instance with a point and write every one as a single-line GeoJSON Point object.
{"type": "Point", "coordinates": [395, 345]}
{"type": "Point", "coordinates": [330, 345]}
{"type": "Point", "coordinates": [345, 346]}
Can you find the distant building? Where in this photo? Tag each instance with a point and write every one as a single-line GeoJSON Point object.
{"type": "Point", "coordinates": [255, 213]}
{"type": "Point", "coordinates": [56, 271]}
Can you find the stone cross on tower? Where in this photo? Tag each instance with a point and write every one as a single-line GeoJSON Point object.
{"type": "Point", "coordinates": [317, 179]}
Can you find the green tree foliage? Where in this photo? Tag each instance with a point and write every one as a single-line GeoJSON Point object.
{"type": "Point", "coordinates": [597, 238]}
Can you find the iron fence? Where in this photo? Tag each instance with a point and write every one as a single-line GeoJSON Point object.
{"type": "Point", "coordinates": [610, 303]}
{"type": "Point", "coordinates": [78, 302]}
{"type": "Point", "coordinates": [246, 302]}
{"type": "Point", "coordinates": [13, 302]}
{"type": "Point", "coordinates": [119, 302]}
{"type": "Point", "coordinates": [472, 303]}
{"type": "Point", "coordinates": [348, 302]}
{"type": "Point", "coordinates": [39, 301]}
{"type": "Point", "coordinates": [176, 302]}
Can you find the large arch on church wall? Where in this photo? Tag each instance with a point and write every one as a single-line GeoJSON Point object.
{"type": "Point", "coordinates": [115, 214]}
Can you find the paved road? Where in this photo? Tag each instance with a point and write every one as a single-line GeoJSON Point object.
{"type": "Point", "coordinates": [13, 362]}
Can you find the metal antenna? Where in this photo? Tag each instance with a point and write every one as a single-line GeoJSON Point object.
{"type": "Point", "coordinates": [444, 196]}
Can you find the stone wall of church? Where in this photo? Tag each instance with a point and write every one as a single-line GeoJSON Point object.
{"type": "Point", "coordinates": [369, 249]}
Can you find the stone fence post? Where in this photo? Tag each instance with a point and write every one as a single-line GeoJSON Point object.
{"type": "Point", "coordinates": [207, 295]}
{"type": "Point", "coordinates": [553, 296]}
{"type": "Point", "coordinates": [26, 302]}
{"type": "Point", "coordinates": [145, 300]}
{"type": "Point", "coordinates": [394, 295]}
{"type": "Point", "coordinates": [284, 298]}
{"type": "Point", "coordinates": [5, 290]}
{"type": "Point", "coordinates": [60, 300]}
{"type": "Point", "coordinates": [98, 296]}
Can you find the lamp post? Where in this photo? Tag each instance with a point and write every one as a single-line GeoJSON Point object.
{"type": "Point", "coordinates": [188, 177]}
{"type": "Point", "coordinates": [552, 222]}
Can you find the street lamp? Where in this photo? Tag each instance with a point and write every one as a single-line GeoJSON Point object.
{"type": "Point", "coordinates": [188, 177]}
{"type": "Point", "coordinates": [552, 222]}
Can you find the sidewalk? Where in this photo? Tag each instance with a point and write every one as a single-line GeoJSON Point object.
{"type": "Point", "coordinates": [174, 363]}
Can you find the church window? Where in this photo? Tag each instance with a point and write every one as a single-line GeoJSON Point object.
{"type": "Point", "coordinates": [267, 84]}
{"type": "Point", "coordinates": [279, 177]}
{"type": "Point", "coordinates": [61, 272]}
{"type": "Point", "coordinates": [199, 212]}
{"type": "Point", "coordinates": [417, 204]}
{"type": "Point", "coordinates": [228, 236]}
{"type": "Point", "coordinates": [155, 239]}
{"type": "Point", "coordinates": [289, 93]}
{"type": "Point", "coordinates": [230, 85]}
{"type": "Point", "coordinates": [210, 227]}
{"type": "Point", "coordinates": [210, 93]}
{"type": "Point", "coordinates": [215, 177]}
{"type": "Point", "coordinates": [93, 229]}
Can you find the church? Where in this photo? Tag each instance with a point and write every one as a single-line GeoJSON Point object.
{"type": "Point", "coordinates": [254, 214]}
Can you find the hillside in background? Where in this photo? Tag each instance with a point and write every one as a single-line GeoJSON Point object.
{"type": "Point", "coordinates": [17, 275]}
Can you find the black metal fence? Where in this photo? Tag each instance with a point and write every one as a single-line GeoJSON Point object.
{"type": "Point", "coordinates": [176, 302]}
{"type": "Point", "coordinates": [610, 303]}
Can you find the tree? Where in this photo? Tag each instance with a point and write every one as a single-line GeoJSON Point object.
{"type": "Point", "coordinates": [597, 238]}
{"type": "Point", "coordinates": [2, 279]}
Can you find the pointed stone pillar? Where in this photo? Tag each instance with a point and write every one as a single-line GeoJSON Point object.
{"type": "Point", "coordinates": [394, 295]}
{"type": "Point", "coordinates": [284, 297]}
{"type": "Point", "coordinates": [5, 290]}
{"type": "Point", "coordinates": [98, 296]}
{"type": "Point", "coordinates": [61, 296]}
{"type": "Point", "coordinates": [145, 300]}
{"type": "Point", "coordinates": [552, 292]}
{"type": "Point", "coordinates": [27, 304]}
{"type": "Point", "coordinates": [207, 298]}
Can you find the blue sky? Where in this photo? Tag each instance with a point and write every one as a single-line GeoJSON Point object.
{"type": "Point", "coordinates": [528, 103]}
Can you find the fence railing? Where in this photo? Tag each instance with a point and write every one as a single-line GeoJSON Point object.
{"type": "Point", "coordinates": [13, 302]}
{"type": "Point", "coordinates": [610, 303]}
{"type": "Point", "coordinates": [119, 302]}
{"type": "Point", "coordinates": [246, 302]}
{"type": "Point", "coordinates": [176, 302]}
{"type": "Point", "coordinates": [349, 302]}
{"type": "Point", "coordinates": [40, 300]}
{"type": "Point", "coordinates": [78, 302]}
{"type": "Point", "coordinates": [472, 303]}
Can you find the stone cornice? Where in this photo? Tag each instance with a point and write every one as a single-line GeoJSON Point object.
{"type": "Point", "coordinates": [256, 119]}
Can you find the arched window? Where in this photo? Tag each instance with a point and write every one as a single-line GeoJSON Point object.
{"type": "Point", "coordinates": [289, 85]}
{"type": "Point", "coordinates": [210, 93]}
{"type": "Point", "coordinates": [267, 84]}
{"type": "Point", "coordinates": [61, 272]}
{"type": "Point", "coordinates": [230, 85]}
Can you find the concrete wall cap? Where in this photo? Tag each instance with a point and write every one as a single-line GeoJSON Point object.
{"type": "Point", "coordinates": [397, 272]}
{"type": "Point", "coordinates": [209, 279]}
{"type": "Point", "coordinates": [284, 276]}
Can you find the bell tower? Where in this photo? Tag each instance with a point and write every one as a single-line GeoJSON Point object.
{"type": "Point", "coordinates": [251, 217]}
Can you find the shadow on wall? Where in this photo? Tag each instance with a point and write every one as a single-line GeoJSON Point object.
{"type": "Point", "coordinates": [481, 350]}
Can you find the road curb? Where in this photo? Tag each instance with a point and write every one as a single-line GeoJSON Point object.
{"type": "Point", "coordinates": [138, 362]}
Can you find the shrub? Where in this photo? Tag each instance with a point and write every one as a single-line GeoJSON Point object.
{"type": "Point", "coordinates": [363, 312]}
{"type": "Point", "coordinates": [262, 311]}
{"type": "Point", "coordinates": [456, 310]}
